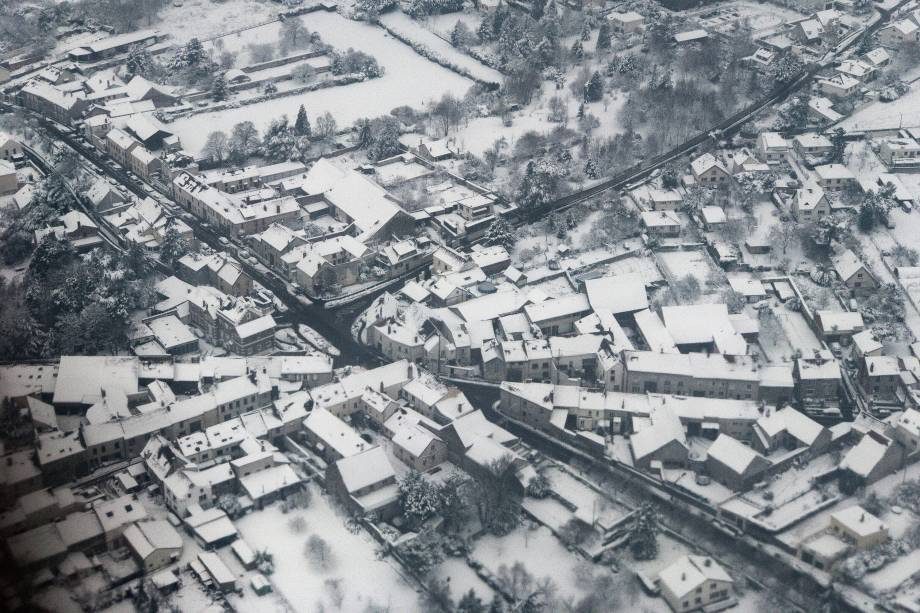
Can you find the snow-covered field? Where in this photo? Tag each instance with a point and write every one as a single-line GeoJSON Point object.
{"type": "Point", "coordinates": [409, 79]}
{"type": "Point", "coordinates": [406, 26]}
{"type": "Point", "coordinates": [364, 579]}
{"type": "Point", "coordinates": [904, 112]}
{"type": "Point", "coordinates": [206, 19]}
{"type": "Point", "coordinates": [683, 263]}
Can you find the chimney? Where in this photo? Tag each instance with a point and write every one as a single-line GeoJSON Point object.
{"type": "Point", "coordinates": [683, 576]}
{"type": "Point", "coordinates": [707, 563]}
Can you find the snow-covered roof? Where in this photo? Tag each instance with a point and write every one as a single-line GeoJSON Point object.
{"type": "Point", "coordinates": [705, 162]}
{"type": "Point", "coordinates": [795, 423]}
{"type": "Point", "coordinates": [864, 456]}
{"type": "Point", "coordinates": [334, 432]}
{"type": "Point", "coordinates": [414, 439]}
{"type": "Point", "coordinates": [713, 214]}
{"type": "Point", "coordinates": [859, 521]}
{"type": "Point", "coordinates": [80, 379]}
{"type": "Point", "coordinates": [623, 293]}
{"type": "Point", "coordinates": [833, 171]}
{"type": "Point", "coordinates": [269, 480]}
{"type": "Point", "coordinates": [660, 219]}
{"type": "Point", "coordinates": [146, 537]}
{"type": "Point", "coordinates": [848, 264]}
{"type": "Point", "coordinates": [866, 342]}
{"type": "Point", "coordinates": [364, 469]}
{"type": "Point", "coordinates": [689, 572]}
{"type": "Point", "coordinates": [691, 35]}
{"type": "Point", "coordinates": [733, 454]}
{"type": "Point", "coordinates": [840, 321]}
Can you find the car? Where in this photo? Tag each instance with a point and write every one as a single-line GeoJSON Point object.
{"type": "Point", "coordinates": [703, 480]}
{"type": "Point", "coordinates": [296, 289]}
{"type": "Point", "coordinates": [906, 206]}
{"type": "Point", "coordinates": [243, 253]}
{"type": "Point", "coordinates": [223, 240]}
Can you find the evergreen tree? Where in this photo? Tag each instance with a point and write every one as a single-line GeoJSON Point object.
{"type": "Point", "coordinates": [497, 605]}
{"type": "Point", "coordinates": [586, 31]}
{"type": "Point", "coordinates": [139, 62]}
{"type": "Point", "coordinates": [643, 534]}
{"type": "Point", "coordinates": [471, 603]}
{"type": "Point", "coordinates": [418, 499]}
{"type": "Point", "coordinates": [581, 111]}
{"type": "Point", "coordinates": [279, 141]}
{"type": "Point", "coordinates": [537, 8]}
{"type": "Point", "coordinates": [591, 168]}
{"type": "Point", "coordinates": [594, 88]}
{"type": "Point", "coordinates": [839, 141]}
{"type": "Point", "coordinates": [500, 233]}
{"type": "Point", "coordinates": [193, 53]}
{"type": "Point", "coordinates": [173, 246]}
{"type": "Point", "coordinates": [219, 88]}
{"type": "Point", "coordinates": [302, 123]}
{"type": "Point", "coordinates": [603, 36]}
{"type": "Point", "coordinates": [578, 50]}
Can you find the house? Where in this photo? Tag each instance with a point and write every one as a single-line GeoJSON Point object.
{"type": "Point", "coordinates": [436, 150]}
{"type": "Point", "coordinates": [821, 108]}
{"type": "Point", "coordinates": [812, 144]}
{"type": "Point", "coordinates": [664, 199]}
{"type": "Point", "coordinates": [810, 203]}
{"type": "Point", "coordinates": [331, 437]}
{"type": "Point", "coordinates": [62, 106]}
{"type": "Point", "coordinates": [214, 568]}
{"type": "Point", "coordinates": [327, 263]}
{"type": "Point", "coordinates": [877, 58]}
{"type": "Point", "coordinates": [557, 316]}
{"type": "Point", "coordinates": [856, 69]}
{"type": "Point", "coordinates": [899, 33]}
{"type": "Point", "coordinates": [734, 464]}
{"type": "Point", "coordinates": [838, 326]}
{"type": "Point", "coordinates": [835, 177]}
{"type": "Point", "coordinates": [708, 171]}
{"type": "Point", "coordinates": [113, 45]}
{"type": "Point", "coordinates": [817, 378]}
{"type": "Point", "coordinates": [772, 147]}
{"type": "Point", "coordinates": [626, 23]}
{"type": "Point", "coordinates": [104, 197]}
{"type": "Point", "coordinates": [789, 429]}
{"type": "Point", "coordinates": [366, 483]}
{"type": "Point", "coordinates": [9, 181]}
{"type": "Point", "coordinates": [859, 527]}
{"type": "Point", "coordinates": [693, 582]}
{"type": "Point", "coordinates": [854, 274]}
{"type": "Point", "coordinates": [690, 36]}
{"type": "Point", "coordinates": [154, 543]}
{"type": "Point", "coordinates": [713, 217]}
{"type": "Point", "coordinates": [839, 86]}
{"type": "Point", "coordinates": [419, 448]}
{"type": "Point", "coordinates": [875, 456]}
{"type": "Point", "coordinates": [880, 378]}
{"type": "Point", "coordinates": [808, 31]}
{"type": "Point", "coordinates": [901, 151]}
{"type": "Point", "coordinates": [76, 228]}
{"type": "Point", "coordinates": [663, 442]}
{"type": "Point", "coordinates": [865, 344]}
{"type": "Point", "coordinates": [10, 149]}
{"type": "Point", "coordinates": [661, 223]}
{"type": "Point", "coordinates": [712, 375]}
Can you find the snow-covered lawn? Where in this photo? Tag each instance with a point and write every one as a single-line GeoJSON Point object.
{"type": "Point", "coordinates": [409, 28]}
{"type": "Point", "coordinates": [363, 578]}
{"type": "Point", "coordinates": [462, 579]}
{"type": "Point", "coordinates": [904, 112]}
{"type": "Point", "coordinates": [695, 262]}
{"type": "Point", "coordinates": [799, 334]}
{"type": "Point", "coordinates": [409, 79]}
{"type": "Point", "coordinates": [206, 19]}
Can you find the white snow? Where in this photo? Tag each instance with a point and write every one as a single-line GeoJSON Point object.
{"type": "Point", "coordinates": [364, 578]}
{"type": "Point", "coordinates": [409, 79]}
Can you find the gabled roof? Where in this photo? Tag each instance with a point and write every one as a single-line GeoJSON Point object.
{"type": "Point", "coordinates": [735, 455]}
{"type": "Point", "coordinates": [689, 572]}
{"type": "Point", "coordinates": [365, 468]}
{"type": "Point", "coordinates": [848, 264]}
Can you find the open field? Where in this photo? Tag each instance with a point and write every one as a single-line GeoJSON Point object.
{"type": "Point", "coordinates": [409, 79]}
